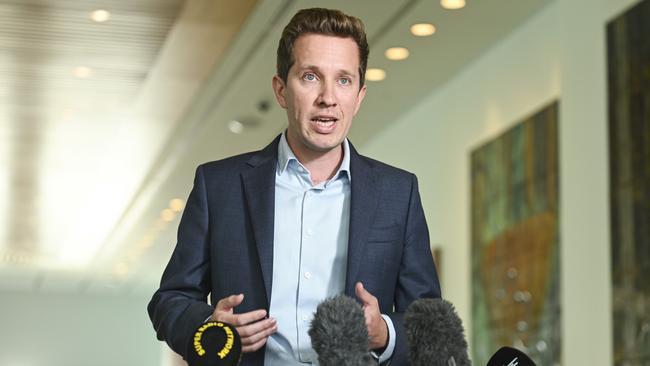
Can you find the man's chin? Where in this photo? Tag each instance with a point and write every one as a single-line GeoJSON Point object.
{"type": "Point", "coordinates": [324, 148]}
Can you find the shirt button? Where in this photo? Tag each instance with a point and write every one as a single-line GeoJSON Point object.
{"type": "Point", "coordinates": [307, 275]}
{"type": "Point", "coordinates": [305, 318]}
{"type": "Point", "coordinates": [310, 232]}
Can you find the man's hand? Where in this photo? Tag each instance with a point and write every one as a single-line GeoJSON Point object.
{"type": "Point", "coordinates": [252, 327]}
{"type": "Point", "coordinates": [377, 328]}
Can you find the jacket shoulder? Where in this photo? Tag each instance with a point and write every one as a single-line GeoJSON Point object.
{"type": "Point", "coordinates": [232, 164]}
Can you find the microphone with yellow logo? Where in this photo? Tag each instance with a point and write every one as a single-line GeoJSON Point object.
{"type": "Point", "coordinates": [214, 344]}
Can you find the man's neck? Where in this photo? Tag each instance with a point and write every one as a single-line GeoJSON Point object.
{"type": "Point", "coordinates": [321, 165]}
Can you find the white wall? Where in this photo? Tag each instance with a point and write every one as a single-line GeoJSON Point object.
{"type": "Point", "coordinates": [40, 329]}
{"type": "Point", "coordinates": [560, 53]}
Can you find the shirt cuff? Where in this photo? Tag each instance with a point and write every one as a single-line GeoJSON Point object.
{"type": "Point", "coordinates": [390, 347]}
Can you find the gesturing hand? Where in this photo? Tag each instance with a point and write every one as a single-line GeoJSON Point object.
{"type": "Point", "coordinates": [252, 327]}
{"type": "Point", "coordinates": [377, 328]}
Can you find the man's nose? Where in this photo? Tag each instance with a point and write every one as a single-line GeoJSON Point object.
{"type": "Point", "coordinates": [327, 96]}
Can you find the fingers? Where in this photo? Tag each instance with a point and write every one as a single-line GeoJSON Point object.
{"type": "Point", "coordinates": [254, 336]}
{"type": "Point", "coordinates": [366, 297]}
{"type": "Point", "coordinates": [223, 312]}
{"type": "Point", "coordinates": [376, 325]}
{"type": "Point", "coordinates": [229, 302]}
{"type": "Point", "coordinates": [242, 319]}
{"type": "Point", "coordinates": [254, 347]}
{"type": "Point", "coordinates": [253, 329]}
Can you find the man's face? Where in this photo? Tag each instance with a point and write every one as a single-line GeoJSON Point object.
{"type": "Point", "coordinates": [321, 94]}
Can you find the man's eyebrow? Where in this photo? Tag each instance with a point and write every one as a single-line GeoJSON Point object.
{"type": "Point", "coordinates": [316, 68]}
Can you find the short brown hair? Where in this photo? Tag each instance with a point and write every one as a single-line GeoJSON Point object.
{"type": "Point", "coordinates": [321, 21]}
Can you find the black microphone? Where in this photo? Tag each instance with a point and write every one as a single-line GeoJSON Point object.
{"type": "Point", "coordinates": [435, 334]}
{"type": "Point", "coordinates": [214, 344]}
{"type": "Point", "coordinates": [339, 335]}
{"type": "Point", "coordinates": [507, 356]}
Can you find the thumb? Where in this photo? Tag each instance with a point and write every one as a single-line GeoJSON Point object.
{"type": "Point", "coordinates": [230, 302]}
{"type": "Point", "coordinates": [363, 295]}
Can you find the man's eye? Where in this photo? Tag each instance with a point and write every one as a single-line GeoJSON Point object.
{"type": "Point", "coordinates": [345, 81]}
{"type": "Point", "coordinates": [309, 77]}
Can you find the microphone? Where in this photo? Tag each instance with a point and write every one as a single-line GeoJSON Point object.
{"type": "Point", "coordinates": [507, 356]}
{"type": "Point", "coordinates": [339, 335]}
{"type": "Point", "coordinates": [214, 344]}
{"type": "Point", "coordinates": [435, 334]}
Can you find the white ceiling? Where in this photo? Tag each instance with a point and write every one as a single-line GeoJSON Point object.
{"type": "Point", "coordinates": [87, 166]}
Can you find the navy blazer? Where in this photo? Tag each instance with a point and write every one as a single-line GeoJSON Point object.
{"type": "Point", "coordinates": [225, 245]}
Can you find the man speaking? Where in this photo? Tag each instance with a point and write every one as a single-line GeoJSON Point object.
{"type": "Point", "coordinates": [270, 234]}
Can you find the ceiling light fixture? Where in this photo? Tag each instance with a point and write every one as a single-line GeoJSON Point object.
{"type": "Point", "coordinates": [396, 53]}
{"type": "Point", "coordinates": [83, 72]}
{"type": "Point", "coordinates": [235, 126]}
{"type": "Point", "coordinates": [167, 215]}
{"type": "Point", "coordinates": [452, 4]}
{"type": "Point", "coordinates": [375, 74]}
{"type": "Point", "coordinates": [422, 29]}
{"type": "Point", "coordinates": [100, 15]}
{"type": "Point", "coordinates": [176, 204]}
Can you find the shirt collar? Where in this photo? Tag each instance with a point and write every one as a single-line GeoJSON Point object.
{"type": "Point", "coordinates": [286, 155]}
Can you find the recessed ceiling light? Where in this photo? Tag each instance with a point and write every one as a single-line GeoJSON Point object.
{"type": "Point", "coordinates": [422, 29]}
{"type": "Point", "coordinates": [167, 215]}
{"type": "Point", "coordinates": [235, 126]}
{"type": "Point", "coordinates": [452, 4]}
{"type": "Point", "coordinates": [146, 242]}
{"type": "Point", "coordinates": [176, 204]}
{"type": "Point", "coordinates": [396, 53]}
{"type": "Point", "coordinates": [375, 74]}
{"type": "Point", "coordinates": [100, 15]}
{"type": "Point", "coordinates": [149, 237]}
{"type": "Point", "coordinates": [83, 72]}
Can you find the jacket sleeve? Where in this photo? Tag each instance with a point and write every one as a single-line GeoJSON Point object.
{"type": "Point", "coordinates": [179, 306]}
{"type": "Point", "coordinates": [417, 277]}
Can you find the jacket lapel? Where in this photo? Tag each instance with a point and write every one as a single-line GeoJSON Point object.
{"type": "Point", "coordinates": [363, 203]}
{"type": "Point", "coordinates": [259, 188]}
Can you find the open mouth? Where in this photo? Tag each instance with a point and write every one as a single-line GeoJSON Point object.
{"type": "Point", "coordinates": [324, 123]}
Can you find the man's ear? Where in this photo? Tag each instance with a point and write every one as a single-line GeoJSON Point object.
{"type": "Point", "coordinates": [360, 96]}
{"type": "Point", "coordinates": [279, 89]}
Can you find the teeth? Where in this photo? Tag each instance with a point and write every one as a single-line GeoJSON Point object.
{"type": "Point", "coordinates": [324, 123]}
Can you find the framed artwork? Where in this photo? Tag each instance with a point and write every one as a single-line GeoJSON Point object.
{"type": "Point", "coordinates": [515, 241]}
{"type": "Point", "coordinates": [628, 50]}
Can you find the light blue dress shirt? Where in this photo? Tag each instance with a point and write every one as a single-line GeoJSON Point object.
{"type": "Point", "coordinates": [310, 248]}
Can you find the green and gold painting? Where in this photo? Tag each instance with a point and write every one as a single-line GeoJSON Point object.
{"type": "Point", "coordinates": [515, 241]}
{"type": "Point", "coordinates": [628, 49]}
